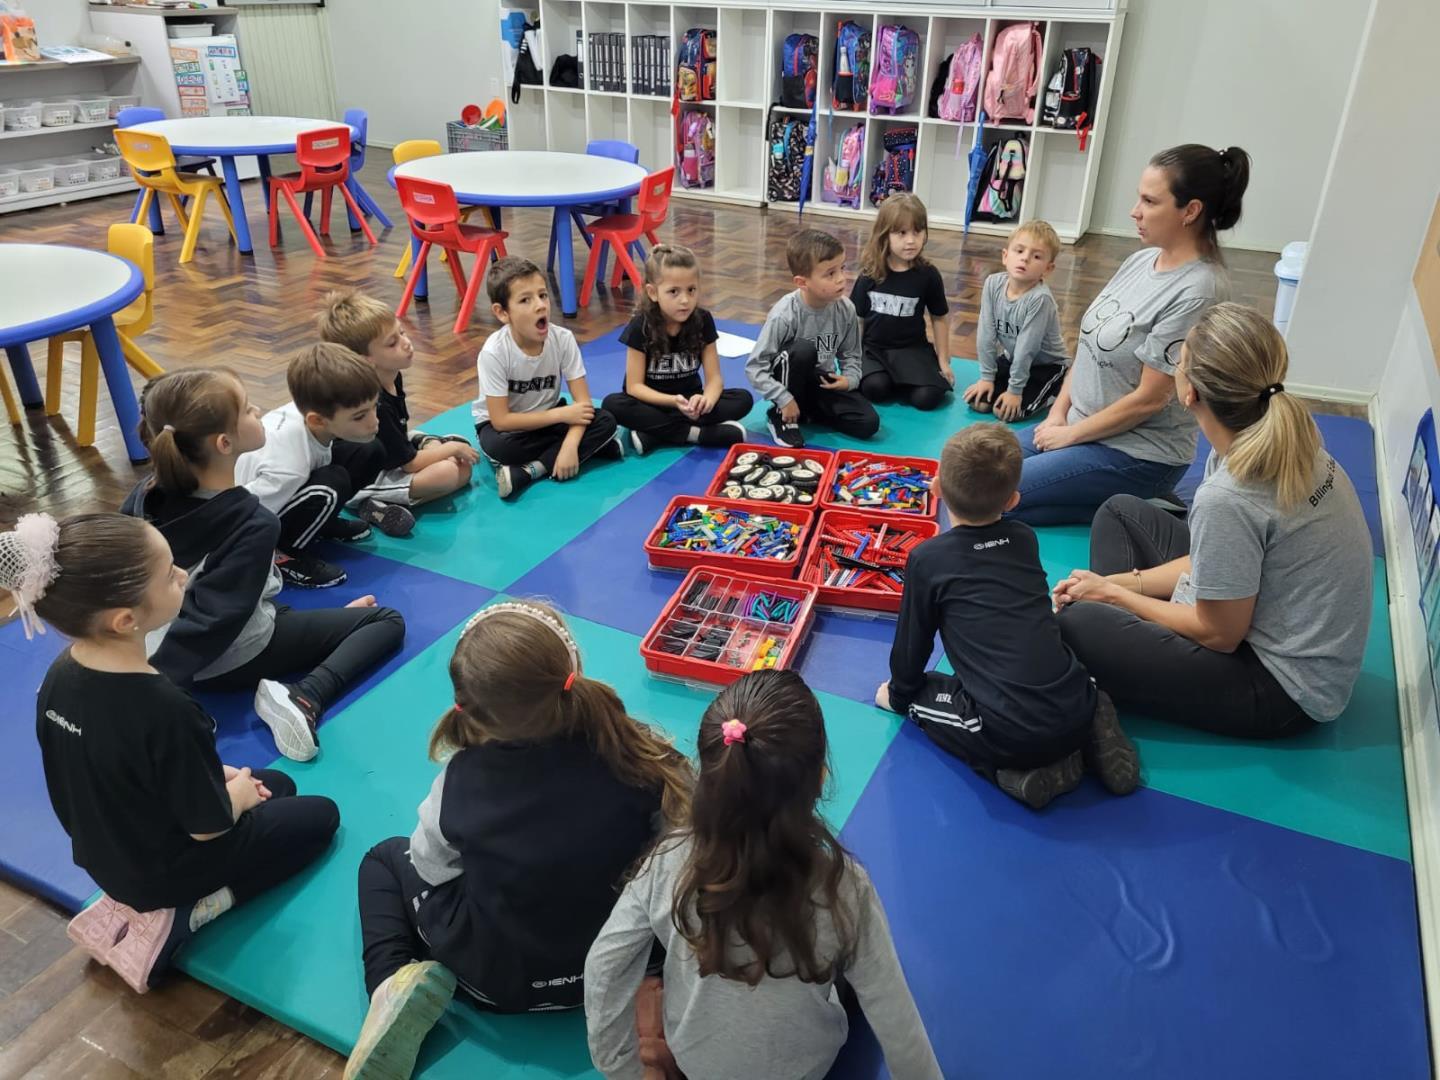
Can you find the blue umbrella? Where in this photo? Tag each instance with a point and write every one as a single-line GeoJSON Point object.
{"type": "Point", "coordinates": [808, 168]}
{"type": "Point", "coordinates": [978, 154]}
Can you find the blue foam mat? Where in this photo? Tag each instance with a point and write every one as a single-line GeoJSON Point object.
{"type": "Point", "coordinates": [34, 850]}
{"type": "Point", "coordinates": [1142, 937]}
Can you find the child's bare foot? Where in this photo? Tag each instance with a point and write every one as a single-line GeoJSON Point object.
{"type": "Point", "coordinates": [882, 697]}
{"type": "Point", "coordinates": [362, 601]}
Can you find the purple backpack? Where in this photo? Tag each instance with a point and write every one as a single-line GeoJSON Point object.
{"type": "Point", "coordinates": [962, 82]}
{"type": "Point", "coordinates": [695, 154]}
{"type": "Point", "coordinates": [893, 64]}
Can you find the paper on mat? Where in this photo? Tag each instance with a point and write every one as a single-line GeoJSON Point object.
{"type": "Point", "coordinates": [733, 344]}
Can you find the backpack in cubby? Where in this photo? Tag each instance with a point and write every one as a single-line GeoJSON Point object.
{"type": "Point", "coordinates": [896, 58]}
{"type": "Point", "coordinates": [799, 68]}
{"type": "Point", "coordinates": [849, 86]}
{"type": "Point", "coordinates": [1079, 92]}
{"type": "Point", "coordinates": [844, 177]}
{"type": "Point", "coordinates": [999, 194]}
{"type": "Point", "coordinates": [962, 82]}
{"type": "Point", "coordinates": [695, 149]}
{"type": "Point", "coordinates": [786, 136]}
{"type": "Point", "coordinates": [1014, 74]}
{"type": "Point", "coordinates": [896, 170]}
{"type": "Point", "coordinates": [695, 70]}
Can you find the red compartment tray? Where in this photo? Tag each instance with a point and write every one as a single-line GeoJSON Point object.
{"type": "Point", "coordinates": [829, 501]}
{"type": "Point", "coordinates": [736, 636]}
{"type": "Point", "coordinates": [722, 474]}
{"type": "Point", "coordinates": [674, 558]}
{"type": "Point", "coordinates": [841, 521]}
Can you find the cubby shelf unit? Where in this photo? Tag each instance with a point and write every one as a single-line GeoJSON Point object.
{"type": "Point", "coordinates": [1060, 179]}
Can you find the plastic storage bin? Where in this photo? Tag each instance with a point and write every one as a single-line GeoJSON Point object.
{"type": "Point", "coordinates": [91, 110]}
{"type": "Point", "coordinates": [36, 178]}
{"type": "Point", "coordinates": [122, 101]}
{"type": "Point", "coordinates": [765, 456]}
{"type": "Point", "coordinates": [842, 531]}
{"type": "Point", "coordinates": [57, 113]}
{"type": "Point", "coordinates": [105, 167]}
{"type": "Point", "coordinates": [669, 556]}
{"type": "Point", "coordinates": [22, 116]}
{"type": "Point", "coordinates": [71, 172]}
{"type": "Point", "coordinates": [718, 626]}
{"type": "Point", "coordinates": [190, 30]}
{"type": "Point", "coordinates": [853, 467]}
{"type": "Point", "coordinates": [9, 183]}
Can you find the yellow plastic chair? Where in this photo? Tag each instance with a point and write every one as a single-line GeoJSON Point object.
{"type": "Point", "coordinates": [136, 244]}
{"type": "Point", "coordinates": [11, 405]}
{"type": "Point", "coordinates": [153, 164]}
{"type": "Point", "coordinates": [410, 150]}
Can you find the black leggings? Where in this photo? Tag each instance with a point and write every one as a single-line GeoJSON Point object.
{"type": "Point", "coordinates": [391, 893]}
{"type": "Point", "coordinates": [269, 844]}
{"type": "Point", "coordinates": [543, 444]}
{"type": "Point", "coordinates": [668, 424]}
{"type": "Point", "coordinates": [338, 646]}
{"type": "Point", "coordinates": [878, 386]}
{"type": "Point", "coordinates": [1148, 669]}
{"type": "Point", "coordinates": [846, 411]}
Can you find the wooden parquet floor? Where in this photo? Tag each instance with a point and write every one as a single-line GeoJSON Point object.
{"type": "Point", "coordinates": [61, 1016]}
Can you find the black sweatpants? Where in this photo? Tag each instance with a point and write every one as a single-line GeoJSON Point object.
{"type": "Point", "coordinates": [671, 426]}
{"type": "Point", "coordinates": [985, 742]}
{"type": "Point", "coordinates": [847, 411]}
{"type": "Point", "coordinates": [336, 646]}
{"type": "Point", "coordinates": [1148, 669]}
{"type": "Point", "coordinates": [327, 489]}
{"type": "Point", "coordinates": [909, 372]}
{"type": "Point", "coordinates": [543, 444]}
{"type": "Point", "coordinates": [391, 895]}
{"type": "Point", "coordinates": [269, 844]}
{"type": "Point", "coordinates": [1041, 389]}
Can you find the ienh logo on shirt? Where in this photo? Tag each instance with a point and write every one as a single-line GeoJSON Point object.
{"type": "Point", "coordinates": [530, 386]}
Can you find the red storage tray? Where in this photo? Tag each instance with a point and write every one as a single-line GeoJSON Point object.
{"type": "Point", "coordinates": [847, 597]}
{"type": "Point", "coordinates": [666, 558]}
{"type": "Point", "coordinates": [669, 648]}
{"type": "Point", "coordinates": [722, 474]}
{"type": "Point", "coordinates": [828, 500]}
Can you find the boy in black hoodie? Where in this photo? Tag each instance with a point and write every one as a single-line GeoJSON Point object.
{"type": "Point", "coordinates": [229, 633]}
{"type": "Point", "coordinates": [1020, 708]}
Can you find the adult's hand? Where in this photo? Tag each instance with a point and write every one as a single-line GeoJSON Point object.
{"type": "Point", "coordinates": [1086, 585]}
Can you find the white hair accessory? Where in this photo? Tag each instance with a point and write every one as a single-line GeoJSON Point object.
{"type": "Point", "coordinates": [545, 618]}
{"type": "Point", "coordinates": [27, 566]}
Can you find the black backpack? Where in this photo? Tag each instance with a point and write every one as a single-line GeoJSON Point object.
{"type": "Point", "coordinates": [786, 137]}
{"type": "Point", "coordinates": [1079, 92]}
{"type": "Point", "coordinates": [565, 71]}
{"type": "Point", "coordinates": [526, 73]}
{"type": "Point", "coordinates": [938, 87]}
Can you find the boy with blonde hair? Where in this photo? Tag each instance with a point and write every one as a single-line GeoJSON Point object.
{"type": "Point", "coordinates": [413, 468]}
{"type": "Point", "coordinates": [1018, 342]}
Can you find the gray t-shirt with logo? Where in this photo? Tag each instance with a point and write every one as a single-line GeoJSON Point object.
{"type": "Point", "coordinates": [1026, 329]}
{"type": "Point", "coordinates": [1139, 321]}
{"type": "Point", "coordinates": [1310, 571]}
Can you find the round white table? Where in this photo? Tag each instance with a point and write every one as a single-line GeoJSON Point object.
{"type": "Point", "coordinates": [51, 289]}
{"type": "Point", "coordinates": [532, 178]}
{"type": "Point", "coordinates": [229, 137]}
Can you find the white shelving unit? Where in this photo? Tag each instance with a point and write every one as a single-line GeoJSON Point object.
{"type": "Point", "coordinates": [1060, 180]}
{"type": "Point", "coordinates": [49, 80]}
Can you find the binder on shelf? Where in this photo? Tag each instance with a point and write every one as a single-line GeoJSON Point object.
{"type": "Point", "coordinates": [580, 56]}
{"type": "Point", "coordinates": [617, 45]}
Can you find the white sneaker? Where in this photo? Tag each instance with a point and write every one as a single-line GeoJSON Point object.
{"type": "Point", "coordinates": [290, 718]}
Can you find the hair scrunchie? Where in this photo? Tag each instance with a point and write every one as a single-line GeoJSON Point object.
{"type": "Point", "coordinates": [1270, 391]}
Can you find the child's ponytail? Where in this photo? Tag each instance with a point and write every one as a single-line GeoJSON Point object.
{"type": "Point", "coordinates": [180, 413]}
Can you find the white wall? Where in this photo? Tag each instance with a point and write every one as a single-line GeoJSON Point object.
{"type": "Point", "coordinates": [1374, 207]}
{"type": "Point", "coordinates": [1269, 76]}
{"type": "Point", "coordinates": [58, 22]}
{"type": "Point", "coordinates": [435, 58]}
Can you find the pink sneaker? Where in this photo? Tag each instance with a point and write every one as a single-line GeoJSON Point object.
{"type": "Point", "coordinates": [123, 939]}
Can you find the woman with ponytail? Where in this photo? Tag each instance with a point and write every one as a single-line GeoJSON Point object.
{"type": "Point", "coordinates": [762, 914]}
{"type": "Point", "coordinates": [549, 794]}
{"type": "Point", "coordinates": [1117, 427]}
{"type": "Point", "coordinates": [1252, 622]}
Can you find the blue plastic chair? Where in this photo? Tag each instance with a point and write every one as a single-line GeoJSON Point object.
{"type": "Point", "coordinates": [145, 114]}
{"type": "Point", "coordinates": [608, 148]}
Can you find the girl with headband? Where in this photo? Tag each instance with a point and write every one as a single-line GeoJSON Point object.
{"type": "Point", "coordinates": [548, 795]}
{"type": "Point", "coordinates": [173, 837]}
{"type": "Point", "coordinates": [754, 889]}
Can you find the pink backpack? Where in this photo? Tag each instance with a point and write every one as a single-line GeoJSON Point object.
{"type": "Point", "coordinates": [695, 152]}
{"type": "Point", "coordinates": [844, 174]}
{"type": "Point", "coordinates": [962, 82]}
{"type": "Point", "coordinates": [1014, 74]}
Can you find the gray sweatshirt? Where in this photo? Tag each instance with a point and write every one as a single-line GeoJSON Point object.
{"type": "Point", "coordinates": [1026, 329]}
{"type": "Point", "coordinates": [720, 1027]}
{"type": "Point", "coordinates": [835, 330]}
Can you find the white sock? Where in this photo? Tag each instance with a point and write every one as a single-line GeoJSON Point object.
{"type": "Point", "coordinates": [693, 436]}
{"type": "Point", "coordinates": [209, 908]}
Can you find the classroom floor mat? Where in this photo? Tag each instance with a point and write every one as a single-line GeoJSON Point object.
{"type": "Point", "coordinates": [1249, 914]}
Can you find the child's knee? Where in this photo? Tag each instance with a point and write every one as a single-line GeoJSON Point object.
{"type": "Point", "coordinates": [926, 398]}
{"type": "Point", "coordinates": [603, 423]}
{"type": "Point", "coordinates": [863, 426]}
{"type": "Point", "coordinates": [877, 386]}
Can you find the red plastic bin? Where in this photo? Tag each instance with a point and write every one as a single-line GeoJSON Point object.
{"type": "Point", "coordinates": [722, 474]}
{"type": "Point", "coordinates": [735, 636]}
{"type": "Point", "coordinates": [828, 500]}
{"type": "Point", "coordinates": [667, 558]}
{"type": "Point", "coordinates": [848, 597]}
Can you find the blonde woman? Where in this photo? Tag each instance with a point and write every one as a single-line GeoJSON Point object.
{"type": "Point", "coordinates": [1251, 622]}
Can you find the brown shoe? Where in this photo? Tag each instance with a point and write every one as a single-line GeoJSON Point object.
{"type": "Point", "coordinates": [1037, 787]}
{"type": "Point", "coordinates": [1109, 752]}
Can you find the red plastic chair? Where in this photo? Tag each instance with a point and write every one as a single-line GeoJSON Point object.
{"type": "Point", "coordinates": [434, 217]}
{"type": "Point", "coordinates": [324, 160]}
{"type": "Point", "coordinates": [619, 231]}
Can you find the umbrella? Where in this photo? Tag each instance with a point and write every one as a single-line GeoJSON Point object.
{"type": "Point", "coordinates": [978, 154]}
{"type": "Point", "coordinates": [808, 168]}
